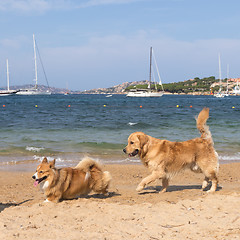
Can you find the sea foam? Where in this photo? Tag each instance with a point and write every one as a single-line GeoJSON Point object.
{"type": "Point", "coordinates": [132, 123]}
{"type": "Point", "coordinates": [34, 149]}
{"type": "Point", "coordinates": [227, 157]}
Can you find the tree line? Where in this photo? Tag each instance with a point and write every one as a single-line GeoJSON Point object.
{"type": "Point", "coordinates": [193, 85]}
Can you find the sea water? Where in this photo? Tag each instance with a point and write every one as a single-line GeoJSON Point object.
{"type": "Point", "coordinates": [70, 127]}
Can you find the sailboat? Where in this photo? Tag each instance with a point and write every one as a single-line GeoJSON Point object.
{"type": "Point", "coordinates": [8, 91]}
{"type": "Point", "coordinates": [67, 90]}
{"type": "Point", "coordinates": [148, 92]}
{"type": "Point", "coordinates": [236, 90]}
{"type": "Point", "coordinates": [226, 94]}
{"type": "Point", "coordinates": [219, 94]}
{"type": "Point", "coordinates": [35, 90]}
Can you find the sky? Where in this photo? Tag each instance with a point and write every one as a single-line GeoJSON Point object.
{"type": "Point", "coordinates": [88, 44]}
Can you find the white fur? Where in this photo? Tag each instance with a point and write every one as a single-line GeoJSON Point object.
{"type": "Point", "coordinates": [87, 176]}
{"type": "Point", "coordinates": [195, 168]}
{"type": "Point", "coordinates": [45, 185]}
{"type": "Point", "coordinates": [47, 200]}
{"type": "Point", "coordinates": [36, 175]}
{"type": "Point", "coordinates": [216, 154]}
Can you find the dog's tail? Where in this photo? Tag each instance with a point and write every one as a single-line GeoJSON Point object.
{"type": "Point", "coordinates": [87, 164]}
{"type": "Point", "coordinates": [99, 180]}
{"type": "Point", "coordinates": [202, 126]}
{"type": "Point", "coordinates": [106, 179]}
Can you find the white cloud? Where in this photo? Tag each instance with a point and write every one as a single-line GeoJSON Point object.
{"type": "Point", "coordinates": [24, 5]}
{"type": "Point", "coordinates": [34, 5]}
{"type": "Point", "coordinates": [46, 5]}
{"type": "Point", "coordinates": [13, 43]}
{"type": "Point", "coordinates": [9, 43]}
{"type": "Point", "coordinates": [91, 3]}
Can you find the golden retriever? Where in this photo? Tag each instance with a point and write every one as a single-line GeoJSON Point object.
{"type": "Point", "coordinates": [68, 183]}
{"type": "Point", "coordinates": [165, 158]}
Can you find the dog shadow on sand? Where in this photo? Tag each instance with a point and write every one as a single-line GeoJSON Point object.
{"type": "Point", "coordinates": [175, 188]}
{"type": "Point", "coordinates": [94, 196]}
{"type": "Point", "coordinates": [101, 196]}
{"type": "Point", "coordinates": [7, 205]}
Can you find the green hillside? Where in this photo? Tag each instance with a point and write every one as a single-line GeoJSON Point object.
{"type": "Point", "coordinates": [193, 85]}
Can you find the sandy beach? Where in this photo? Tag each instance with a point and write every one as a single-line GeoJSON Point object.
{"type": "Point", "coordinates": [184, 212]}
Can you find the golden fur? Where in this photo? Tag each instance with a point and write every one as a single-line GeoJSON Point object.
{"type": "Point", "coordinates": [67, 183]}
{"type": "Point", "coordinates": [165, 158]}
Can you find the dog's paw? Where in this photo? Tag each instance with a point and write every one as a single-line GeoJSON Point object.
{"type": "Point", "coordinates": [139, 188]}
{"type": "Point", "coordinates": [204, 185]}
{"type": "Point", "coordinates": [163, 190]}
{"type": "Point", "coordinates": [106, 194]}
{"type": "Point", "coordinates": [49, 201]}
{"type": "Point", "coordinates": [211, 191]}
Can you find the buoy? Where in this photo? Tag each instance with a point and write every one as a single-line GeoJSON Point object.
{"type": "Point", "coordinates": [191, 106]}
{"type": "Point", "coordinates": [140, 106]}
{"type": "Point", "coordinates": [104, 105]}
{"type": "Point", "coordinates": [177, 106]}
{"type": "Point", "coordinates": [233, 107]}
{"type": "Point", "coordinates": [36, 106]}
{"type": "Point", "coordinates": [69, 105]}
{"type": "Point", "coordinates": [4, 106]}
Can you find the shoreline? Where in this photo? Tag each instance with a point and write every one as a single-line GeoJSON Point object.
{"type": "Point", "coordinates": [183, 212]}
{"type": "Point", "coordinates": [30, 165]}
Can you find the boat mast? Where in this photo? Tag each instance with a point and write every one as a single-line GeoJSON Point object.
{"type": "Point", "coordinates": [220, 74]}
{"type": "Point", "coordinates": [227, 76]}
{"type": "Point", "coordinates": [35, 60]}
{"type": "Point", "coordinates": [7, 76]}
{"type": "Point", "coordinates": [155, 62]}
{"type": "Point", "coordinates": [150, 70]}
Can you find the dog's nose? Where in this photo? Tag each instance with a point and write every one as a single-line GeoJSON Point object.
{"type": "Point", "coordinates": [33, 177]}
{"type": "Point", "coordinates": [124, 150]}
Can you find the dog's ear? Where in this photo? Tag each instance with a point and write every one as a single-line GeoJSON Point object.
{"type": "Point", "coordinates": [45, 160]}
{"type": "Point", "coordinates": [143, 138]}
{"type": "Point", "coordinates": [52, 163]}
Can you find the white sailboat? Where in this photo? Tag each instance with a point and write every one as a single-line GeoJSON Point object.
{"type": "Point", "coordinates": [8, 91]}
{"type": "Point", "coordinates": [226, 94]}
{"type": "Point", "coordinates": [67, 90]}
{"type": "Point", "coordinates": [148, 92]}
{"type": "Point", "coordinates": [219, 94]}
{"type": "Point", "coordinates": [35, 90]}
{"type": "Point", "coordinates": [236, 90]}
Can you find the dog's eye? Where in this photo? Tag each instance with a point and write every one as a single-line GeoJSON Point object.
{"type": "Point", "coordinates": [41, 172]}
{"type": "Point", "coordinates": [131, 142]}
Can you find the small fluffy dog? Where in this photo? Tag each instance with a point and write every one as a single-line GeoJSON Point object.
{"type": "Point", "coordinates": [164, 158]}
{"type": "Point", "coordinates": [68, 183]}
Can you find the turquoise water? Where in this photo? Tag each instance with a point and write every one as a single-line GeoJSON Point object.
{"type": "Point", "coordinates": [69, 127]}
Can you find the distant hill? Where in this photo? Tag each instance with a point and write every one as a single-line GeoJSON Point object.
{"type": "Point", "coordinates": [196, 86]}
{"type": "Point", "coordinates": [191, 86]}
{"type": "Point", "coordinates": [115, 89]}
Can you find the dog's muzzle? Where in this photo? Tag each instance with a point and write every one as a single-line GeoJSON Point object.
{"type": "Point", "coordinates": [134, 153]}
{"type": "Point", "coordinates": [37, 181]}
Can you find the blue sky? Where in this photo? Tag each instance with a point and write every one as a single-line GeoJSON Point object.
{"type": "Point", "coordinates": [89, 44]}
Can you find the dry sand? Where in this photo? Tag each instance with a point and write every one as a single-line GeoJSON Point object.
{"type": "Point", "coordinates": [184, 212]}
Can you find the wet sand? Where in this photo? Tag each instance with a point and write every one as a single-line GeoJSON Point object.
{"type": "Point", "coordinates": [184, 212]}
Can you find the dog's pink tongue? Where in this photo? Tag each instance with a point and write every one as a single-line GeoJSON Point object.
{"type": "Point", "coordinates": [35, 183]}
